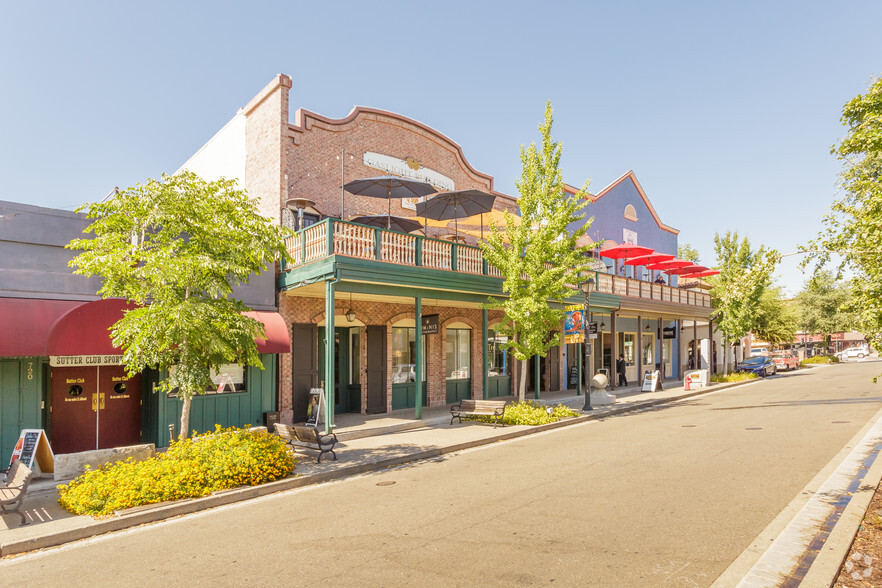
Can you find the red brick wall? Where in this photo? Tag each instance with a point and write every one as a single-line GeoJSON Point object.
{"type": "Point", "coordinates": [312, 310]}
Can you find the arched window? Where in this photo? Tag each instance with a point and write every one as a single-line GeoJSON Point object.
{"type": "Point", "coordinates": [630, 212]}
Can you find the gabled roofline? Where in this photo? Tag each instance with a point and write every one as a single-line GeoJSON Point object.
{"type": "Point", "coordinates": [301, 124]}
{"type": "Point", "coordinates": [633, 177]}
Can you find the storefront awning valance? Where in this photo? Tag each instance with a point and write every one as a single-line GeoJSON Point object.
{"type": "Point", "coordinates": [25, 324]}
{"type": "Point", "coordinates": [86, 330]}
{"type": "Point", "coordinates": [277, 339]}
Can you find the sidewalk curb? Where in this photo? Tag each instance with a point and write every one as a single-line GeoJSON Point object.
{"type": "Point", "coordinates": [90, 527]}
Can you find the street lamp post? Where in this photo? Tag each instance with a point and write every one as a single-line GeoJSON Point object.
{"type": "Point", "coordinates": [586, 287]}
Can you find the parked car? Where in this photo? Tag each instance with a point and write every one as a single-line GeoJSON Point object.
{"type": "Point", "coordinates": [761, 366]}
{"type": "Point", "coordinates": [858, 352]}
{"type": "Point", "coordinates": [785, 361]}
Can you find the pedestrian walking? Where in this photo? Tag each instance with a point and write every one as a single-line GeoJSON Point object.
{"type": "Point", "coordinates": [620, 369]}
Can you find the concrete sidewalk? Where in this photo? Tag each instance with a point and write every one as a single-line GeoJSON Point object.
{"type": "Point", "coordinates": [367, 443]}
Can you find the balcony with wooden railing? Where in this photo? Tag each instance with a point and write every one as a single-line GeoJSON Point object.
{"type": "Point", "coordinates": [336, 237]}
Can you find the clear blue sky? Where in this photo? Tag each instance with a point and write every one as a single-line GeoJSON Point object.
{"type": "Point", "coordinates": [725, 111]}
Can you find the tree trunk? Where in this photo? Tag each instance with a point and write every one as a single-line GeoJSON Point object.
{"type": "Point", "coordinates": [522, 383]}
{"type": "Point", "coordinates": [185, 416]}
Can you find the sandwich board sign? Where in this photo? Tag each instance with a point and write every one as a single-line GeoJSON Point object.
{"type": "Point", "coordinates": [33, 446]}
{"type": "Point", "coordinates": [316, 408]}
{"type": "Point", "coordinates": [651, 381]}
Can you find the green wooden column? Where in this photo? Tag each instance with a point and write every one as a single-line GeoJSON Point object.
{"type": "Point", "coordinates": [485, 382]}
{"type": "Point", "coordinates": [329, 356]}
{"type": "Point", "coordinates": [537, 376]}
{"type": "Point", "coordinates": [418, 388]}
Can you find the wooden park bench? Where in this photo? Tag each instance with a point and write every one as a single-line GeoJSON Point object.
{"type": "Point", "coordinates": [12, 490]}
{"type": "Point", "coordinates": [307, 437]}
{"type": "Point", "coordinates": [495, 409]}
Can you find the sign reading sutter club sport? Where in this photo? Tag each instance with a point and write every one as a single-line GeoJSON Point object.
{"type": "Point", "coordinates": [84, 360]}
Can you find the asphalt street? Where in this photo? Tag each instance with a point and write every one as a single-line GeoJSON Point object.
{"type": "Point", "coordinates": [668, 496]}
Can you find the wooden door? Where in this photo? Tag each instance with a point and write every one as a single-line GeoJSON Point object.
{"type": "Point", "coordinates": [304, 351]}
{"type": "Point", "coordinates": [376, 369]}
{"type": "Point", "coordinates": [74, 399]}
{"type": "Point", "coordinates": [119, 407]}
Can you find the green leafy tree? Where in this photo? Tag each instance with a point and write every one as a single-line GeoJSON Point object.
{"type": "Point", "coordinates": [776, 319]}
{"type": "Point", "coordinates": [541, 260]}
{"type": "Point", "coordinates": [687, 251]}
{"type": "Point", "coordinates": [822, 305]}
{"type": "Point", "coordinates": [177, 248]}
{"type": "Point", "coordinates": [737, 290]}
{"type": "Point", "coordinates": [854, 227]}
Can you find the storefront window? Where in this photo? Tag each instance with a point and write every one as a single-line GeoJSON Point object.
{"type": "Point", "coordinates": [649, 352]}
{"type": "Point", "coordinates": [227, 379]}
{"type": "Point", "coordinates": [404, 355]}
{"type": "Point", "coordinates": [458, 356]}
{"type": "Point", "coordinates": [628, 349]}
{"type": "Point", "coordinates": [497, 357]}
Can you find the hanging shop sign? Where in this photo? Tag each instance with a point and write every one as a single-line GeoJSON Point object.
{"type": "Point", "coordinates": [430, 324]}
{"type": "Point", "coordinates": [669, 332]}
{"type": "Point", "coordinates": [84, 360]}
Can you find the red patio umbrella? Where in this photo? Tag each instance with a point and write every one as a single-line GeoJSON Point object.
{"type": "Point", "coordinates": [704, 274]}
{"type": "Point", "coordinates": [624, 251]}
{"type": "Point", "coordinates": [671, 264]}
{"type": "Point", "coordinates": [647, 260]}
{"type": "Point", "coordinates": [689, 269]}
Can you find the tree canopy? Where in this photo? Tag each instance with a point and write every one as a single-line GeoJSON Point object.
{"type": "Point", "coordinates": [744, 276]}
{"type": "Point", "coordinates": [177, 247]}
{"type": "Point", "coordinates": [541, 260]}
{"type": "Point", "coordinates": [854, 226]}
{"type": "Point", "coordinates": [821, 305]}
{"type": "Point", "coordinates": [776, 319]}
{"type": "Point", "coordinates": [687, 251]}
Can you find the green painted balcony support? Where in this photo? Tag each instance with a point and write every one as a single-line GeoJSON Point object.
{"type": "Point", "coordinates": [418, 348]}
{"type": "Point", "coordinates": [329, 356]}
{"type": "Point", "coordinates": [329, 247]}
{"type": "Point", "coordinates": [537, 377]}
{"type": "Point", "coordinates": [485, 382]}
{"type": "Point", "coordinates": [453, 251]}
{"type": "Point", "coordinates": [378, 241]}
{"type": "Point", "coordinates": [418, 252]}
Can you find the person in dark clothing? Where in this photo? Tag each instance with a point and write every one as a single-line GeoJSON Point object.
{"type": "Point", "coordinates": [620, 369]}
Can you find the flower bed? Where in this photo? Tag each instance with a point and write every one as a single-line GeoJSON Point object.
{"type": "Point", "coordinates": [217, 460]}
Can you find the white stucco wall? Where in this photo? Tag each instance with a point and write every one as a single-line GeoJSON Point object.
{"type": "Point", "coordinates": [223, 155]}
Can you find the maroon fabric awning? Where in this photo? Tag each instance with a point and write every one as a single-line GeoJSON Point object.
{"type": "Point", "coordinates": [85, 330]}
{"type": "Point", "coordinates": [80, 328]}
{"type": "Point", "coordinates": [25, 324]}
{"type": "Point", "coordinates": [277, 339]}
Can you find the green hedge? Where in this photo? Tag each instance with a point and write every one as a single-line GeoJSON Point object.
{"type": "Point", "coordinates": [217, 460]}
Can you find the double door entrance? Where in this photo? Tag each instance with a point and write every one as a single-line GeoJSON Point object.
{"type": "Point", "coordinates": [94, 408]}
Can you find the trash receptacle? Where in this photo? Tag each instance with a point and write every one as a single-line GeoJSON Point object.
{"type": "Point", "coordinates": [270, 418]}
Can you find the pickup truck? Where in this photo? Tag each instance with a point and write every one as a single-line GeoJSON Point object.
{"type": "Point", "coordinates": [785, 361]}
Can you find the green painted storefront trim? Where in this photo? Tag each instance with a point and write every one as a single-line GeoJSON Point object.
{"type": "Point", "coordinates": [388, 279]}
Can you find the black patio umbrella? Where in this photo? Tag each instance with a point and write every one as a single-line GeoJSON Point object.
{"type": "Point", "coordinates": [456, 205]}
{"type": "Point", "coordinates": [389, 187]}
{"type": "Point", "coordinates": [391, 222]}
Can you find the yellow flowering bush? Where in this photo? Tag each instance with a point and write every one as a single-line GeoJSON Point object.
{"type": "Point", "coordinates": [532, 413]}
{"type": "Point", "coordinates": [217, 460]}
